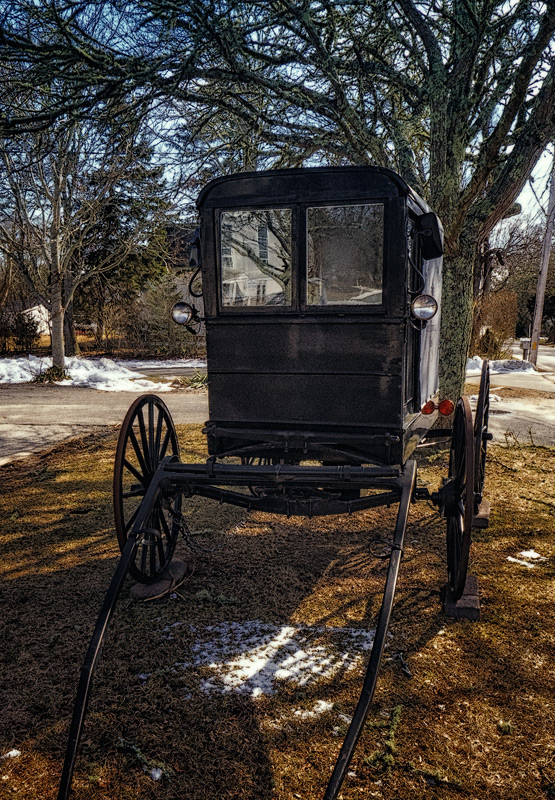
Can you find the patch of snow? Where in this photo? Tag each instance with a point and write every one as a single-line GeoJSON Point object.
{"type": "Point", "coordinates": [156, 774]}
{"type": "Point", "coordinates": [252, 657]}
{"type": "Point", "coordinates": [96, 373]}
{"type": "Point", "coordinates": [12, 754]}
{"type": "Point", "coordinates": [493, 398]}
{"type": "Point", "coordinates": [474, 366]}
{"type": "Point", "coordinates": [532, 554]}
{"type": "Point", "coordinates": [320, 707]}
{"type": "Point", "coordinates": [521, 562]}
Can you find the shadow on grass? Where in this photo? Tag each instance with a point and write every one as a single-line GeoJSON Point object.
{"type": "Point", "coordinates": [326, 572]}
{"type": "Point", "coordinates": [58, 555]}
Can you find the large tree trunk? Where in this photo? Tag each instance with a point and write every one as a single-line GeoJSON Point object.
{"type": "Point", "coordinates": [71, 345]}
{"type": "Point", "coordinates": [70, 337]}
{"type": "Point", "coordinates": [456, 318]}
{"type": "Point", "coordinates": [6, 281]}
{"type": "Point", "coordinates": [57, 322]}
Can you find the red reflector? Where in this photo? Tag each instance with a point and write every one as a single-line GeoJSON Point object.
{"type": "Point", "coordinates": [428, 408]}
{"type": "Point", "coordinates": [446, 407]}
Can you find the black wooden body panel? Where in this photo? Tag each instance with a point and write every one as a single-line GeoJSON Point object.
{"type": "Point", "coordinates": [316, 347]}
{"type": "Point", "coordinates": [285, 398]}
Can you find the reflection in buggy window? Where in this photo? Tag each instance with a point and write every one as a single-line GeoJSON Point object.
{"type": "Point", "coordinates": [256, 257]}
{"type": "Point", "coordinates": [345, 255]}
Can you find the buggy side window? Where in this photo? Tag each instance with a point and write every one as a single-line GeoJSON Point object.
{"type": "Point", "coordinates": [255, 257]}
{"type": "Point", "coordinates": [345, 255]}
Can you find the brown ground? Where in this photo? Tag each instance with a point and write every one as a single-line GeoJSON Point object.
{"type": "Point", "coordinates": [510, 391]}
{"type": "Point", "coordinates": [475, 718]}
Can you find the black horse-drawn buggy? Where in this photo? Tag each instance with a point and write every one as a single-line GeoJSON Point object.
{"type": "Point", "coordinates": [321, 291]}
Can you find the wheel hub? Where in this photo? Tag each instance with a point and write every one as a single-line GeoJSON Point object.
{"type": "Point", "coordinates": [449, 498]}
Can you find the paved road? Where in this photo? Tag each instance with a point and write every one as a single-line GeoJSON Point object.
{"type": "Point", "coordinates": [34, 417]}
{"type": "Point", "coordinates": [529, 421]}
{"type": "Point", "coordinates": [546, 356]}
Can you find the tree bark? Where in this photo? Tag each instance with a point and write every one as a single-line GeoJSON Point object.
{"type": "Point", "coordinates": [456, 315]}
{"type": "Point", "coordinates": [6, 281]}
{"type": "Point", "coordinates": [71, 344]}
{"type": "Point", "coordinates": [57, 323]}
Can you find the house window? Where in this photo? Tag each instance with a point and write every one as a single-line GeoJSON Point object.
{"type": "Point", "coordinates": [255, 251]}
{"type": "Point", "coordinates": [263, 243]}
{"type": "Point", "coordinates": [227, 257]}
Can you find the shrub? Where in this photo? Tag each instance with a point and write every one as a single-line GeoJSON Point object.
{"type": "Point", "coordinates": [152, 330]}
{"type": "Point", "coordinates": [51, 375]}
{"type": "Point", "coordinates": [18, 332]}
{"type": "Point", "coordinates": [6, 330]}
{"type": "Point", "coordinates": [26, 332]}
{"type": "Point", "coordinates": [494, 323]}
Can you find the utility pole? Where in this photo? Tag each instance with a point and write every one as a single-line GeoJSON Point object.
{"type": "Point", "coordinates": [542, 278]}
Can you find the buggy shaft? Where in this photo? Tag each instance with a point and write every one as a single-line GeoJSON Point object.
{"type": "Point", "coordinates": [371, 677]}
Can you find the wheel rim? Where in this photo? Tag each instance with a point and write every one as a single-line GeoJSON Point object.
{"type": "Point", "coordinates": [481, 435]}
{"type": "Point", "coordinates": [147, 436]}
{"type": "Point", "coordinates": [459, 519]}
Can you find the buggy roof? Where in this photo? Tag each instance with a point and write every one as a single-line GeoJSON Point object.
{"type": "Point", "coordinates": [307, 184]}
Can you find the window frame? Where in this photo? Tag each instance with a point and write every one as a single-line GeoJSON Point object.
{"type": "Point", "coordinates": [289, 308]}
{"type": "Point", "coordinates": [299, 261]}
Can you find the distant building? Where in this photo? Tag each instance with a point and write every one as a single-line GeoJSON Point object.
{"type": "Point", "coordinates": [41, 317]}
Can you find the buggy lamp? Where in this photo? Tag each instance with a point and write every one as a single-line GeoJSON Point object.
{"type": "Point", "coordinates": [445, 407]}
{"type": "Point", "coordinates": [424, 307]}
{"type": "Point", "coordinates": [183, 313]}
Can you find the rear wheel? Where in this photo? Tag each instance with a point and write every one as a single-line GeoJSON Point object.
{"type": "Point", "coordinates": [147, 436]}
{"type": "Point", "coordinates": [459, 498]}
{"type": "Point", "coordinates": [481, 436]}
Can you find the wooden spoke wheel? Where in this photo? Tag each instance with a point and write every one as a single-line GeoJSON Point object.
{"type": "Point", "coordinates": [481, 436]}
{"type": "Point", "coordinates": [459, 493]}
{"type": "Point", "coordinates": [147, 436]}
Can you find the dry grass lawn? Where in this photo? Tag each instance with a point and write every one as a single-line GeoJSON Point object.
{"type": "Point", "coordinates": [462, 710]}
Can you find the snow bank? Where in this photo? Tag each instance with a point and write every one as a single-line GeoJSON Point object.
{"type": "Point", "coordinates": [98, 373]}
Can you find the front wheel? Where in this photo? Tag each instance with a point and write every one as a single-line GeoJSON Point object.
{"type": "Point", "coordinates": [147, 436]}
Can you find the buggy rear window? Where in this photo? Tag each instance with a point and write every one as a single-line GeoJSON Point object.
{"type": "Point", "coordinates": [345, 255]}
{"type": "Point", "coordinates": [255, 257]}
